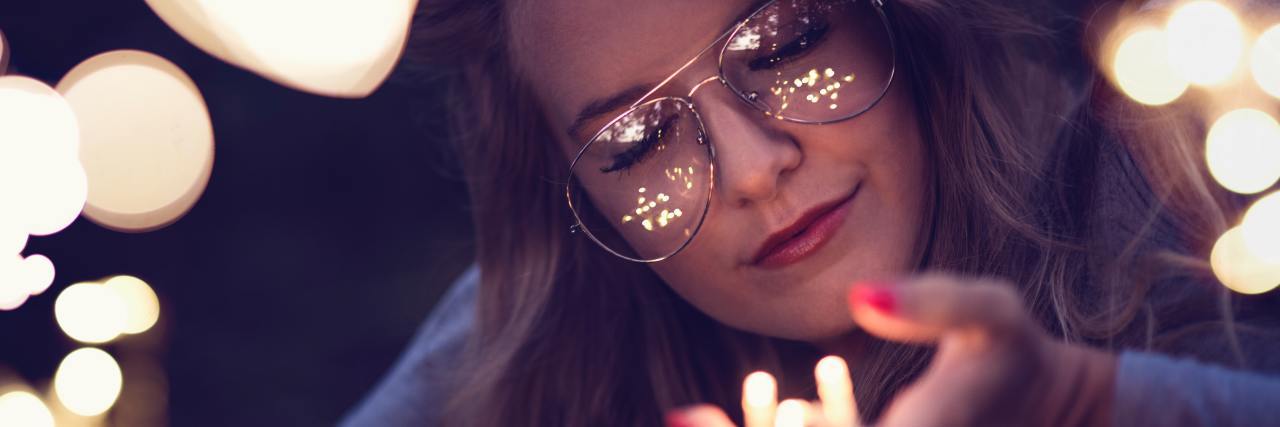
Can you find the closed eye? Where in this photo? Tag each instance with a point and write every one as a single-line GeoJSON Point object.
{"type": "Point", "coordinates": [796, 48]}
{"type": "Point", "coordinates": [645, 147]}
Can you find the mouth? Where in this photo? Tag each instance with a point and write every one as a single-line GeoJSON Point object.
{"type": "Point", "coordinates": [806, 235]}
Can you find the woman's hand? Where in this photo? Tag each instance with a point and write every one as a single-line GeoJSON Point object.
{"type": "Point", "coordinates": [993, 367]}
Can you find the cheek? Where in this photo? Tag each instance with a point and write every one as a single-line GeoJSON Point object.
{"type": "Point", "coordinates": [884, 151]}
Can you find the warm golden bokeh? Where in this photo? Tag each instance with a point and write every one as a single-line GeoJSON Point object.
{"type": "Point", "coordinates": [146, 138]}
{"type": "Point", "coordinates": [1239, 269]}
{"type": "Point", "coordinates": [1142, 69]}
{"type": "Point", "coordinates": [1261, 227]}
{"type": "Point", "coordinates": [141, 306]}
{"type": "Point", "coordinates": [1206, 41]}
{"type": "Point", "coordinates": [40, 172]}
{"type": "Point", "coordinates": [759, 399]}
{"type": "Point", "coordinates": [21, 408]}
{"type": "Point", "coordinates": [1265, 61]}
{"type": "Point", "coordinates": [90, 313]}
{"type": "Point", "coordinates": [88, 381]}
{"type": "Point", "coordinates": [1243, 151]}
{"type": "Point", "coordinates": [341, 48]}
{"type": "Point", "coordinates": [792, 413]}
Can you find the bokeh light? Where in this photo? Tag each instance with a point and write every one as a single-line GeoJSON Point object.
{"type": "Point", "coordinates": [90, 313]}
{"type": "Point", "coordinates": [13, 238]}
{"type": "Point", "coordinates": [1142, 68]}
{"type": "Point", "coordinates": [1243, 151]}
{"type": "Point", "coordinates": [23, 409]}
{"type": "Point", "coordinates": [1239, 268]}
{"type": "Point", "coordinates": [1265, 61]}
{"type": "Point", "coordinates": [759, 399]}
{"type": "Point", "coordinates": [1261, 227]}
{"type": "Point", "coordinates": [1206, 41]}
{"type": "Point", "coordinates": [40, 171]}
{"type": "Point", "coordinates": [791, 413]}
{"type": "Point", "coordinates": [88, 381]}
{"type": "Point", "coordinates": [146, 138]}
{"type": "Point", "coordinates": [21, 278]}
{"type": "Point", "coordinates": [13, 290]}
{"type": "Point", "coordinates": [141, 306]}
{"type": "Point", "coordinates": [38, 272]}
{"type": "Point", "coordinates": [297, 42]}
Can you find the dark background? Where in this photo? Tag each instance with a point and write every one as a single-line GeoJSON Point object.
{"type": "Point", "coordinates": [328, 230]}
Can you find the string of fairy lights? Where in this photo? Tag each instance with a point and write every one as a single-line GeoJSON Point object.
{"type": "Point", "coordinates": [124, 139]}
{"type": "Point", "coordinates": [1156, 56]}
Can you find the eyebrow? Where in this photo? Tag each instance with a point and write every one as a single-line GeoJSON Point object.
{"type": "Point", "coordinates": [601, 106]}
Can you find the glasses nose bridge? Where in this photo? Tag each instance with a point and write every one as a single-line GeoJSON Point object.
{"type": "Point", "coordinates": [709, 79]}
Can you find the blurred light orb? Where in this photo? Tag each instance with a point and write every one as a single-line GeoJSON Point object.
{"type": "Point", "coordinates": [146, 139]}
{"type": "Point", "coordinates": [13, 238]}
{"type": "Point", "coordinates": [88, 381]}
{"type": "Point", "coordinates": [90, 313]}
{"type": "Point", "coordinates": [1243, 151]}
{"type": "Point", "coordinates": [791, 413]}
{"type": "Point", "coordinates": [13, 287]}
{"type": "Point", "coordinates": [1265, 61]}
{"type": "Point", "coordinates": [760, 389]}
{"type": "Point", "coordinates": [1206, 41]}
{"type": "Point", "coordinates": [339, 48]}
{"type": "Point", "coordinates": [37, 273]}
{"type": "Point", "coordinates": [23, 409]}
{"type": "Point", "coordinates": [1261, 228]}
{"type": "Point", "coordinates": [1142, 68]}
{"type": "Point", "coordinates": [22, 278]}
{"type": "Point", "coordinates": [141, 306]}
{"type": "Point", "coordinates": [40, 171]}
{"type": "Point", "coordinates": [1239, 269]}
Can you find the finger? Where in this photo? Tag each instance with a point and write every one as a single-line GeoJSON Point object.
{"type": "Point", "coordinates": [698, 416]}
{"type": "Point", "coordinates": [924, 309]}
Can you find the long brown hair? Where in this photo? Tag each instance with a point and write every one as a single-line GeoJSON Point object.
{"type": "Point", "coordinates": [568, 335]}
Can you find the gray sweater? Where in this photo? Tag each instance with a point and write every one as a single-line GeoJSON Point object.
{"type": "Point", "coordinates": [1150, 389]}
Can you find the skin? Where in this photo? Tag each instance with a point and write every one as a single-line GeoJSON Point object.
{"type": "Point", "coordinates": [770, 172]}
{"type": "Point", "coordinates": [991, 357]}
{"type": "Point", "coordinates": [993, 365]}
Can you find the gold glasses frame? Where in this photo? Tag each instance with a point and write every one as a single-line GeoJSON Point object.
{"type": "Point", "coordinates": [687, 102]}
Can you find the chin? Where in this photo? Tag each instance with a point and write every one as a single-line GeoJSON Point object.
{"type": "Point", "coordinates": [809, 323]}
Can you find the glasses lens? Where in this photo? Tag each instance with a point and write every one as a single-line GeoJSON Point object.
{"type": "Point", "coordinates": [810, 60]}
{"type": "Point", "coordinates": [641, 187]}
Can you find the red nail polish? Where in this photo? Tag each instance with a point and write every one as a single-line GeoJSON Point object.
{"type": "Point", "coordinates": [876, 295]}
{"type": "Point", "coordinates": [677, 418]}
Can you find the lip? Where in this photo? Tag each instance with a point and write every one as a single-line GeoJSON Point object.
{"type": "Point", "coordinates": [805, 236]}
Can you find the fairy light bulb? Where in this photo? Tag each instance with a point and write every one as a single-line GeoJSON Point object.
{"type": "Point", "coordinates": [1243, 151]}
{"type": "Point", "coordinates": [1142, 70]}
{"type": "Point", "coordinates": [1206, 41]}
{"type": "Point", "coordinates": [759, 399]}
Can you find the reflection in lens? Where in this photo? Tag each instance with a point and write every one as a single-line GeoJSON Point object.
{"type": "Point", "coordinates": [810, 61]}
{"type": "Point", "coordinates": [641, 186]}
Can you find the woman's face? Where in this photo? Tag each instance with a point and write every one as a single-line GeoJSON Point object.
{"type": "Point", "coordinates": [798, 211]}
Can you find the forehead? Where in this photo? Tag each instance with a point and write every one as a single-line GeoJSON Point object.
{"type": "Point", "coordinates": [583, 49]}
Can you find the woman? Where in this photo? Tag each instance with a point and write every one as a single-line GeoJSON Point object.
{"type": "Point", "coordinates": [670, 194]}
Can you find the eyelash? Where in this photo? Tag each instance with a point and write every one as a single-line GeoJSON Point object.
{"type": "Point", "coordinates": [625, 160]}
{"type": "Point", "coordinates": [792, 50]}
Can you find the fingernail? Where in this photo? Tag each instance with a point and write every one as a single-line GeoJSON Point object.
{"type": "Point", "coordinates": [678, 418]}
{"type": "Point", "coordinates": [877, 295]}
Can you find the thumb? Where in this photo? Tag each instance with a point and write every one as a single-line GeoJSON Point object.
{"type": "Point", "coordinates": [924, 309]}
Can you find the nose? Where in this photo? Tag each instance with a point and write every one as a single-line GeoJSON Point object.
{"type": "Point", "coordinates": [752, 156]}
